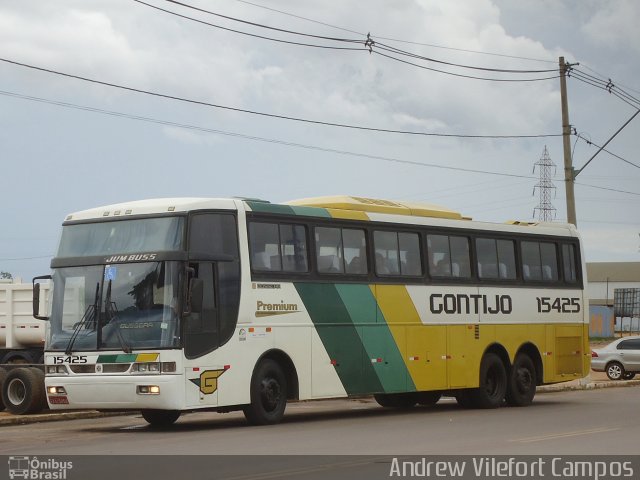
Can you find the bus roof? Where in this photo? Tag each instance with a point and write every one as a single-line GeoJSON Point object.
{"type": "Point", "coordinates": [374, 205]}
{"type": "Point", "coordinates": [153, 206]}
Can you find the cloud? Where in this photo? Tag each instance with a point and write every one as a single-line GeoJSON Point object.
{"type": "Point", "coordinates": [615, 25]}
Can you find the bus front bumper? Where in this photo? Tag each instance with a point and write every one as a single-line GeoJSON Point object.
{"type": "Point", "coordinates": [165, 392]}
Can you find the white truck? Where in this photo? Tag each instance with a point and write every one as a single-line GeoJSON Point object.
{"type": "Point", "coordinates": [21, 348]}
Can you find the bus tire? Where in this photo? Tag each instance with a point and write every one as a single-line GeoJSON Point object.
{"type": "Point", "coordinates": [428, 399]}
{"type": "Point", "coordinates": [463, 399]}
{"type": "Point", "coordinates": [268, 392]}
{"type": "Point", "coordinates": [521, 387]}
{"type": "Point", "coordinates": [493, 383]}
{"type": "Point", "coordinates": [396, 400]}
{"type": "Point", "coordinates": [3, 376]}
{"type": "Point", "coordinates": [23, 391]}
{"type": "Point", "coordinates": [160, 418]}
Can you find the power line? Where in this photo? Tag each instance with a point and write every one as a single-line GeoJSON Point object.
{"type": "Point", "coordinates": [271, 115]}
{"type": "Point", "coordinates": [369, 43]}
{"type": "Point", "coordinates": [607, 86]}
{"type": "Point", "coordinates": [255, 138]}
{"type": "Point", "coordinates": [253, 34]}
{"type": "Point", "coordinates": [254, 24]}
{"type": "Point", "coordinates": [589, 142]}
{"type": "Point", "coordinates": [604, 77]}
{"type": "Point", "coordinates": [396, 39]}
{"type": "Point", "coordinates": [606, 188]}
{"type": "Point", "coordinates": [462, 75]}
{"type": "Point", "coordinates": [472, 67]}
{"type": "Point", "coordinates": [24, 258]}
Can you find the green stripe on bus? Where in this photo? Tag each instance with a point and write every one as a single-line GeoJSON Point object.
{"type": "Point", "coordinates": [311, 211]}
{"type": "Point", "coordinates": [126, 358]}
{"type": "Point", "coordinates": [288, 209]}
{"type": "Point", "coordinates": [340, 337]}
{"type": "Point", "coordinates": [377, 339]}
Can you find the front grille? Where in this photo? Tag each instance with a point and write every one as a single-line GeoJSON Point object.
{"type": "Point", "coordinates": [115, 367]}
{"type": "Point", "coordinates": [83, 368]}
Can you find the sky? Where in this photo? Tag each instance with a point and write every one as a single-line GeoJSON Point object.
{"type": "Point", "coordinates": [68, 144]}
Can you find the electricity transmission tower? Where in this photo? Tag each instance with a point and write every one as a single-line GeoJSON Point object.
{"type": "Point", "coordinates": [546, 211]}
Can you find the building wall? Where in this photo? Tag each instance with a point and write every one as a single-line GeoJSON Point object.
{"type": "Point", "coordinates": [597, 291]}
{"type": "Point", "coordinates": [601, 322]}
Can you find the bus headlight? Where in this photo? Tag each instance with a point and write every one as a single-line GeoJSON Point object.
{"type": "Point", "coordinates": [148, 390]}
{"type": "Point", "coordinates": [147, 367]}
{"type": "Point", "coordinates": [57, 369]}
{"type": "Point", "coordinates": [56, 391]}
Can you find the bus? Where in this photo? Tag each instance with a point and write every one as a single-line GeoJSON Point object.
{"type": "Point", "coordinates": [175, 305]}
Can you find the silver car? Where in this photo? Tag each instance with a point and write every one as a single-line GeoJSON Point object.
{"type": "Point", "coordinates": [620, 359]}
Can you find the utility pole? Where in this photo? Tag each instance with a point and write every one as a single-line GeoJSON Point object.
{"type": "Point", "coordinates": [569, 177]}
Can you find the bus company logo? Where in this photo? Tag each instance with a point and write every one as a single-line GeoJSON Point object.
{"type": "Point", "coordinates": [36, 469]}
{"type": "Point", "coordinates": [270, 309]}
{"type": "Point", "coordinates": [137, 257]}
{"type": "Point", "coordinates": [208, 381]}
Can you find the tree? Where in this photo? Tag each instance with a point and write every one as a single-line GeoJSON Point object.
{"type": "Point", "coordinates": [6, 276]}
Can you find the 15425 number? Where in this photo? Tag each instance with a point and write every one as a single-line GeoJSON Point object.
{"type": "Point", "coordinates": [560, 304]}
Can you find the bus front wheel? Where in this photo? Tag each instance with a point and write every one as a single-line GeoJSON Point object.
{"type": "Point", "coordinates": [268, 394]}
{"type": "Point", "coordinates": [160, 418]}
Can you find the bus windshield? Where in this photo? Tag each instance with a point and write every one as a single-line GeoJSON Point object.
{"type": "Point", "coordinates": [115, 307]}
{"type": "Point", "coordinates": [122, 237]}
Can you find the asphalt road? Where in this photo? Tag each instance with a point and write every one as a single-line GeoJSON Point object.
{"type": "Point", "coordinates": [603, 421]}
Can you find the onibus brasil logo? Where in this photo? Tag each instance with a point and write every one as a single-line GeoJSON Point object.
{"type": "Point", "coordinates": [35, 469]}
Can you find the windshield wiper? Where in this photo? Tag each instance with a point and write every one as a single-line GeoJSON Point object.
{"type": "Point", "coordinates": [111, 312]}
{"type": "Point", "coordinates": [87, 319]}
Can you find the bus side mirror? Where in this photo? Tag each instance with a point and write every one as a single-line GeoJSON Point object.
{"type": "Point", "coordinates": [36, 297]}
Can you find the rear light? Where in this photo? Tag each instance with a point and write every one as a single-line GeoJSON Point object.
{"type": "Point", "coordinates": [593, 354]}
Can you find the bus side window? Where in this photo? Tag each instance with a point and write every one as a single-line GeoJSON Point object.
{"type": "Point", "coordinates": [569, 263]}
{"type": "Point", "coordinates": [539, 261]}
{"type": "Point", "coordinates": [265, 249]}
{"type": "Point", "coordinates": [355, 251]}
{"type": "Point", "coordinates": [531, 261]}
{"type": "Point", "coordinates": [329, 250]}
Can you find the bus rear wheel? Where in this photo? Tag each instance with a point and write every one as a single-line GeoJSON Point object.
{"type": "Point", "coordinates": [268, 394]}
{"type": "Point", "coordinates": [160, 418]}
{"type": "Point", "coordinates": [522, 382]}
{"type": "Point", "coordinates": [493, 383]}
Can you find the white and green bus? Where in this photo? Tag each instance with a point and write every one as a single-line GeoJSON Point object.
{"type": "Point", "coordinates": [176, 305]}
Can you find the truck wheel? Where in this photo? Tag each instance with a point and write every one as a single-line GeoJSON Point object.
{"type": "Point", "coordinates": [268, 394]}
{"type": "Point", "coordinates": [160, 418]}
{"type": "Point", "coordinates": [3, 376]}
{"type": "Point", "coordinates": [23, 391]}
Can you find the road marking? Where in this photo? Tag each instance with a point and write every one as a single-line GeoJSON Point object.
{"type": "Point", "coordinates": [553, 436]}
